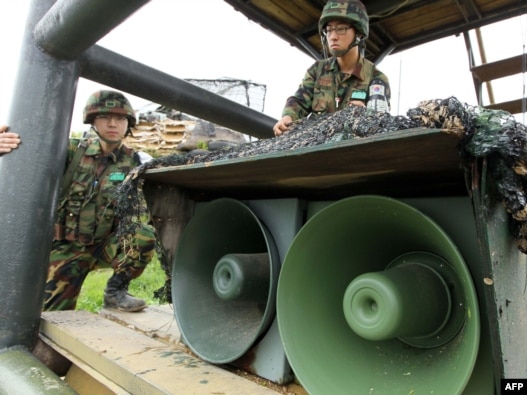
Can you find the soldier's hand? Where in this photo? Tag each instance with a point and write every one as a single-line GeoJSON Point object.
{"type": "Point", "coordinates": [358, 103]}
{"type": "Point", "coordinates": [8, 140]}
{"type": "Point", "coordinates": [282, 126]}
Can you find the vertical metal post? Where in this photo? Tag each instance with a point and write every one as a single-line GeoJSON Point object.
{"type": "Point", "coordinates": [41, 108]}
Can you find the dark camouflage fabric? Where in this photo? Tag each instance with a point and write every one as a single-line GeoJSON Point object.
{"type": "Point", "coordinates": [85, 229]}
{"type": "Point", "coordinates": [352, 11]}
{"type": "Point", "coordinates": [108, 102]}
{"type": "Point", "coordinates": [325, 89]}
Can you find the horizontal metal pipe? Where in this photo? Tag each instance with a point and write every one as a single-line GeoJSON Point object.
{"type": "Point", "coordinates": [109, 68]}
{"type": "Point", "coordinates": [23, 373]}
{"type": "Point", "coordinates": [71, 26]}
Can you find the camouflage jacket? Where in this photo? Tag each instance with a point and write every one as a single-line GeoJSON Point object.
{"type": "Point", "coordinates": [86, 211]}
{"type": "Point", "coordinates": [325, 89]}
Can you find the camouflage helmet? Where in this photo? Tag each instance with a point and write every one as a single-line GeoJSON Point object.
{"type": "Point", "coordinates": [108, 102]}
{"type": "Point", "coordinates": [351, 11]}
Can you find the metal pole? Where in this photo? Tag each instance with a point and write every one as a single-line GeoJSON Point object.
{"type": "Point", "coordinates": [109, 68]}
{"type": "Point", "coordinates": [41, 108]}
{"type": "Point", "coordinates": [71, 26]}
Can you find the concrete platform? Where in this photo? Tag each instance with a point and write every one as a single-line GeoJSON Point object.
{"type": "Point", "coordinates": [116, 352]}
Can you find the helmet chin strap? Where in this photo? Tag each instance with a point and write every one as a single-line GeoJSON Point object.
{"type": "Point", "coordinates": [358, 41]}
{"type": "Point", "coordinates": [101, 137]}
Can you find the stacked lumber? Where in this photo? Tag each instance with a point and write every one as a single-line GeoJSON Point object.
{"type": "Point", "coordinates": [160, 137]}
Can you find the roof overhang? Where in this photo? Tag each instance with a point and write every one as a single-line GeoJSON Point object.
{"type": "Point", "coordinates": [394, 25]}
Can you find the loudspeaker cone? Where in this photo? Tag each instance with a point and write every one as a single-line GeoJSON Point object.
{"type": "Point", "coordinates": [224, 279]}
{"type": "Point", "coordinates": [374, 298]}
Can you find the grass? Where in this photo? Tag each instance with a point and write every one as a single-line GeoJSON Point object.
{"type": "Point", "coordinates": [91, 296]}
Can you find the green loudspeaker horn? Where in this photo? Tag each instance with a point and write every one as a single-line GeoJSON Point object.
{"type": "Point", "coordinates": [374, 298]}
{"type": "Point", "coordinates": [224, 280]}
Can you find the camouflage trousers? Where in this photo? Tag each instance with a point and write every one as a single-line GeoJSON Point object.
{"type": "Point", "coordinates": [70, 263]}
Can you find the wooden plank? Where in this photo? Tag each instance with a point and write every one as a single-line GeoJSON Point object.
{"type": "Point", "coordinates": [397, 161]}
{"type": "Point", "coordinates": [159, 322]}
{"type": "Point", "coordinates": [501, 68]}
{"type": "Point", "coordinates": [85, 380]}
{"type": "Point", "coordinates": [512, 106]}
{"type": "Point", "coordinates": [137, 363]}
{"type": "Point", "coordinates": [505, 281]}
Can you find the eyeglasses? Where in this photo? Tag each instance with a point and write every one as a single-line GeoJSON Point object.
{"type": "Point", "coordinates": [340, 30]}
{"type": "Point", "coordinates": [108, 118]}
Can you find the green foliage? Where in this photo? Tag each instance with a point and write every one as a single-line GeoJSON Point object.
{"type": "Point", "coordinates": [154, 153]}
{"type": "Point", "coordinates": [76, 134]}
{"type": "Point", "coordinates": [202, 145]}
{"type": "Point", "coordinates": [91, 296]}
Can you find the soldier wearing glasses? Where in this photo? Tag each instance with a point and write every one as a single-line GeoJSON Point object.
{"type": "Point", "coordinates": [342, 79]}
{"type": "Point", "coordinates": [85, 228]}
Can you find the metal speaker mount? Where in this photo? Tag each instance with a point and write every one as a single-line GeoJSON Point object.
{"type": "Point", "coordinates": [374, 298]}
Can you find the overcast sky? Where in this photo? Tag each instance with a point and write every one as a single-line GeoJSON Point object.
{"type": "Point", "coordinates": [208, 39]}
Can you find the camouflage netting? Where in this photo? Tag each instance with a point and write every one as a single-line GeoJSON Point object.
{"type": "Point", "coordinates": [490, 134]}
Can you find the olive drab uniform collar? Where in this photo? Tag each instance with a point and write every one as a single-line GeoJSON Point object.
{"type": "Point", "coordinates": [360, 70]}
{"type": "Point", "coordinates": [94, 149]}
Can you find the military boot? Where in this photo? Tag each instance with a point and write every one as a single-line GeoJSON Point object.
{"type": "Point", "coordinates": [116, 295]}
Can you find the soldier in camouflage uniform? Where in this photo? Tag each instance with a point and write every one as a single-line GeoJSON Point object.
{"type": "Point", "coordinates": [85, 226]}
{"type": "Point", "coordinates": [84, 237]}
{"type": "Point", "coordinates": [344, 78]}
